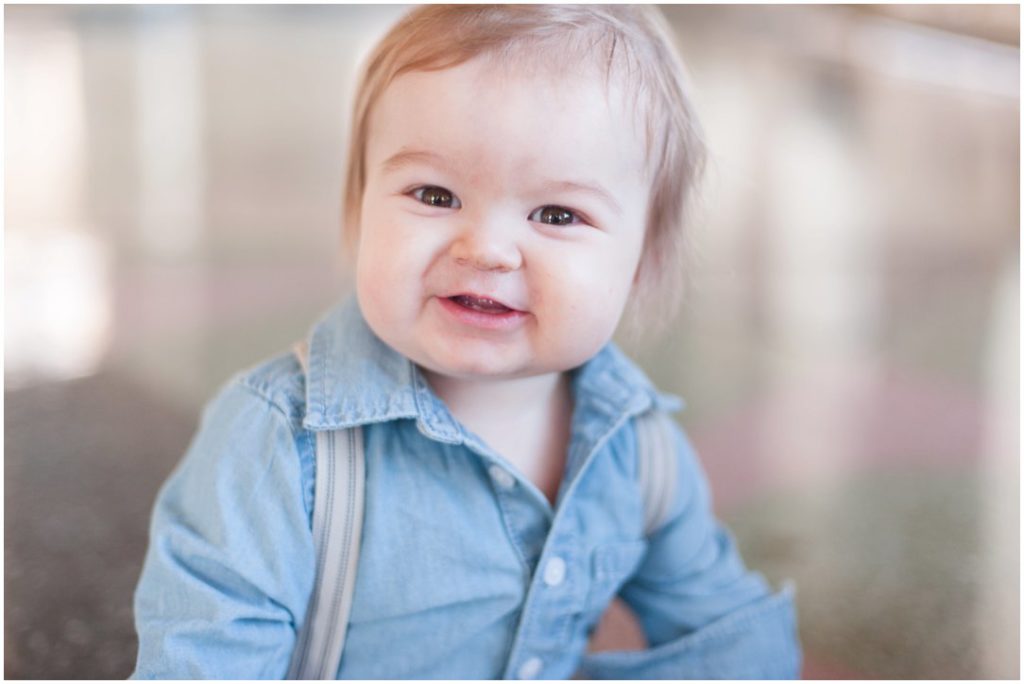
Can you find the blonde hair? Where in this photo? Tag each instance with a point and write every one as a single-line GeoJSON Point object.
{"type": "Point", "coordinates": [631, 41]}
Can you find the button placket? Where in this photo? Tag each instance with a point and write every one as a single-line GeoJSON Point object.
{"type": "Point", "coordinates": [556, 602]}
{"type": "Point", "coordinates": [553, 609]}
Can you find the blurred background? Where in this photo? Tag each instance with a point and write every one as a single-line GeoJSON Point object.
{"type": "Point", "coordinates": [849, 346]}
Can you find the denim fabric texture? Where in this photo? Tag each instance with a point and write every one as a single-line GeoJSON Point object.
{"type": "Point", "coordinates": [466, 570]}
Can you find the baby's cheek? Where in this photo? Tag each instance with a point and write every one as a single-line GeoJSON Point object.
{"type": "Point", "coordinates": [592, 292]}
{"type": "Point", "coordinates": [571, 336]}
{"type": "Point", "coordinates": [367, 292]}
{"type": "Point", "coordinates": [373, 286]}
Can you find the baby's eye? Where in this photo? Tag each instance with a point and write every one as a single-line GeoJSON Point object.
{"type": "Point", "coordinates": [554, 215]}
{"type": "Point", "coordinates": [436, 197]}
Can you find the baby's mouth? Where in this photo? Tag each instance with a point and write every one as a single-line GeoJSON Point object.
{"type": "Point", "coordinates": [482, 304]}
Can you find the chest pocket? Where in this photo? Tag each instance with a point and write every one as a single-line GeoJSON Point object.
{"type": "Point", "coordinates": [612, 565]}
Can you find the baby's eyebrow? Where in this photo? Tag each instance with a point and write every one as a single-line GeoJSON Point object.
{"type": "Point", "coordinates": [406, 156]}
{"type": "Point", "coordinates": [589, 188]}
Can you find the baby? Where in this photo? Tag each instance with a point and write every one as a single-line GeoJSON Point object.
{"type": "Point", "coordinates": [517, 175]}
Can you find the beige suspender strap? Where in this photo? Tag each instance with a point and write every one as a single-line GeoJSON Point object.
{"type": "Point", "coordinates": [656, 467]}
{"type": "Point", "coordinates": [337, 524]}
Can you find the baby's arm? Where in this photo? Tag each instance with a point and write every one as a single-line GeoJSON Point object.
{"type": "Point", "coordinates": [705, 615]}
{"type": "Point", "coordinates": [230, 561]}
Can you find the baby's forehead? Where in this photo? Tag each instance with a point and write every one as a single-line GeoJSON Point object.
{"type": "Point", "coordinates": [579, 82]}
{"type": "Point", "coordinates": [567, 71]}
{"type": "Point", "coordinates": [571, 120]}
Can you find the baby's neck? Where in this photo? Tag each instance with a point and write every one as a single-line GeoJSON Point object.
{"type": "Point", "coordinates": [526, 420]}
{"type": "Point", "coordinates": [479, 404]}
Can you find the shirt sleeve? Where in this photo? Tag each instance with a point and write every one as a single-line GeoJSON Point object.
{"type": "Point", "coordinates": [230, 563]}
{"type": "Point", "coordinates": [704, 614]}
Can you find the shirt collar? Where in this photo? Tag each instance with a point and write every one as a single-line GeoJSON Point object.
{"type": "Point", "coordinates": [354, 378]}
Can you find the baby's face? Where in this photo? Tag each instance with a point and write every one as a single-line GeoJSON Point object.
{"type": "Point", "coordinates": [527, 190]}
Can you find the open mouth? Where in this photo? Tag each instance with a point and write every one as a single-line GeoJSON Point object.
{"type": "Point", "coordinates": [481, 304]}
{"type": "Point", "coordinates": [482, 313]}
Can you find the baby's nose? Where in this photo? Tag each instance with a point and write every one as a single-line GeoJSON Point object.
{"type": "Point", "coordinates": [486, 249]}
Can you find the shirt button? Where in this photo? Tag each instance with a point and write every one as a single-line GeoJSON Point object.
{"type": "Point", "coordinates": [530, 669]}
{"type": "Point", "coordinates": [554, 572]}
{"type": "Point", "coordinates": [502, 477]}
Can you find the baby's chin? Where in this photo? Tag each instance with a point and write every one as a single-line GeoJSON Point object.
{"type": "Point", "coordinates": [486, 365]}
{"type": "Point", "coordinates": [479, 367]}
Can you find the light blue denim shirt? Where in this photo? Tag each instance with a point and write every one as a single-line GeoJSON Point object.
{"type": "Point", "coordinates": [466, 570]}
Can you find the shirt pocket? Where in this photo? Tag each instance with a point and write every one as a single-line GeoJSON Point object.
{"type": "Point", "coordinates": [612, 565]}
